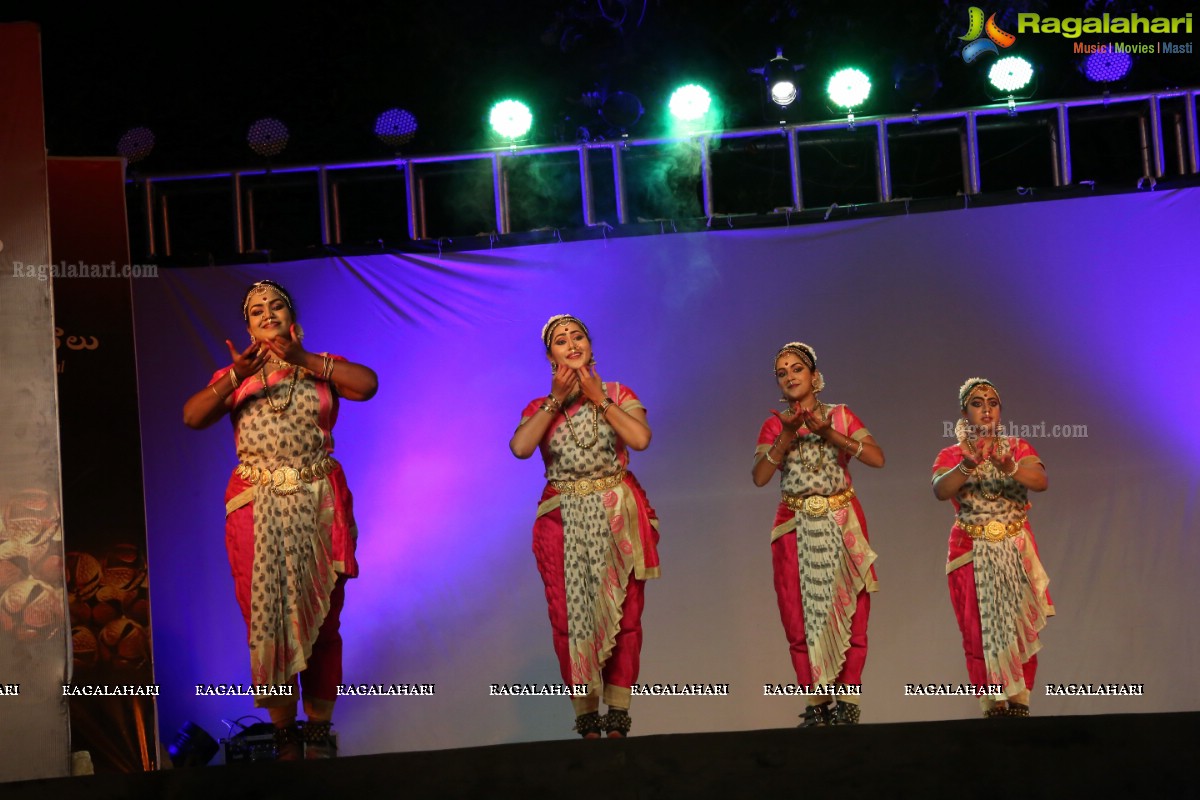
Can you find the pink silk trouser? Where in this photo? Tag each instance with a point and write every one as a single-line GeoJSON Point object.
{"type": "Point", "coordinates": [320, 679]}
{"type": "Point", "coordinates": [623, 663]}
{"type": "Point", "coordinates": [966, 610]}
{"type": "Point", "coordinates": [786, 562]}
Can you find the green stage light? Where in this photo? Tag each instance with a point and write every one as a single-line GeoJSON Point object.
{"type": "Point", "coordinates": [510, 119]}
{"type": "Point", "coordinates": [849, 87]}
{"type": "Point", "coordinates": [1010, 74]}
{"type": "Point", "coordinates": [689, 103]}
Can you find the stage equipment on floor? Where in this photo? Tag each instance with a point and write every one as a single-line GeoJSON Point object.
{"type": "Point", "coordinates": [251, 743]}
{"type": "Point", "coordinates": [192, 746]}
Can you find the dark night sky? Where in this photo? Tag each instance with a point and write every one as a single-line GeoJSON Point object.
{"type": "Point", "coordinates": [199, 79]}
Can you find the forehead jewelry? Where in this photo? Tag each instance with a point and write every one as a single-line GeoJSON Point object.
{"type": "Point", "coordinates": [801, 350]}
{"type": "Point", "coordinates": [263, 286]}
{"type": "Point", "coordinates": [561, 319]}
{"type": "Point", "coordinates": [973, 385]}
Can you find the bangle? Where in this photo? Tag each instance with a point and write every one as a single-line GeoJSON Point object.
{"type": "Point", "coordinates": [553, 401]}
{"type": "Point", "coordinates": [858, 452]}
{"type": "Point", "coordinates": [1016, 467]}
{"type": "Point", "coordinates": [549, 409]}
{"type": "Point", "coordinates": [606, 405]}
{"type": "Point", "coordinates": [233, 378]}
{"type": "Point", "coordinates": [213, 386]}
{"type": "Point", "coordinates": [767, 455]}
{"type": "Point", "coordinates": [962, 468]}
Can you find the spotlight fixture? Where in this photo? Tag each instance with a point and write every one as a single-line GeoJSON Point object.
{"type": "Point", "coordinates": [1011, 78]}
{"type": "Point", "coordinates": [780, 77]}
{"type": "Point", "coordinates": [916, 83]}
{"type": "Point", "coordinates": [689, 103]}
{"type": "Point", "coordinates": [268, 137]}
{"type": "Point", "coordinates": [510, 120]}
{"type": "Point", "coordinates": [621, 110]}
{"type": "Point", "coordinates": [395, 127]}
{"type": "Point", "coordinates": [135, 144]}
{"type": "Point", "coordinates": [192, 746]}
{"type": "Point", "coordinates": [1109, 66]}
{"type": "Point", "coordinates": [849, 88]}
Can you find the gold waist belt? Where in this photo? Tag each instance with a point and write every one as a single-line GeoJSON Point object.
{"type": "Point", "coordinates": [816, 505]}
{"type": "Point", "coordinates": [995, 530]}
{"type": "Point", "coordinates": [286, 480]}
{"type": "Point", "coordinates": [584, 486]}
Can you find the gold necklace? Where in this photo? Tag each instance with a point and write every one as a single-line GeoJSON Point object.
{"type": "Point", "coordinates": [291, 391]}
{"type": "Point", "coordinates": [820, 462]}
{"type": "Point", "coordinates": [595, 427]}
{"type": "Point", "coordinates": [987, 470]}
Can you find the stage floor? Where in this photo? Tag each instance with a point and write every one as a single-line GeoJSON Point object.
{"type": "Point", "coordinates": [1127, 755]}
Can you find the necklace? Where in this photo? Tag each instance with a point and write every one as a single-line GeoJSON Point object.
{"type": "Point", "coordinates": [816, 466]}
{"type": "Point", "coordinates": [279, 409]}
{"type": "Point", "coordinates": [988, 471]}
{"type": "Point", "coordinates": [595, 427]}
{"type": "Point", "coordinates": [811, 467]}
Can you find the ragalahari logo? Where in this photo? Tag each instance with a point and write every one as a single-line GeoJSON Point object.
{"type": "Point", "coordinates": [976, 28]}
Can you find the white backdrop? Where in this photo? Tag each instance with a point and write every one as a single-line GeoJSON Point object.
{"type": "Point", "coordinates": [1080, 311]}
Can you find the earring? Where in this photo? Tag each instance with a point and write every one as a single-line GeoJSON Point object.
{"type": "Point", "coordinates": [592, 362]}
{"type": "Point", "coordinates": [818, 383]}
{"type": "Point", "coordinates": [553, 368]}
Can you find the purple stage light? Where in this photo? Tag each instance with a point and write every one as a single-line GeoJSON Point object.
{"type": "Point", "coordinates": [395, 127]}
{"type": "Point", "coordinates": [135, 144]}
{"type": "Point", "coordinates": [267, 137]}
{"type": "Point", "coordinates": [1107, 67]}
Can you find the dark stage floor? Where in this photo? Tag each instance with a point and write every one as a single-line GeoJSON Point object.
{"type": "Point", "coordinates": [1118, 755]}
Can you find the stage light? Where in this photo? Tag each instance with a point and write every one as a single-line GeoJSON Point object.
{"type": "Point", "coordinates": [267, 137]}
{"type": "Point", "coordinates": [916, 84]}
{"type": "Point", "coordinates": [689, 103]}
{"type": "Point", "coordinates": [1010, 75]}
{"type": "Point", "coordinates": [1010, 79]}
{"type": "Point", "coordinates": [395, 127]}
{"type": "Point", "coordinates": [1106, 67]}
{"type": "Point", "coordinates": [192, 746]}
{"type": "Point", "coordinates": [621, 110]}
{"type": "Point", "coordinates": [135, 144]}
{"type": "Point", "coordinates": [510, 119]}
{"type": "Point", "coordinates": [780, 77]}
{"type": "Point", "coordinates": [849, 88]}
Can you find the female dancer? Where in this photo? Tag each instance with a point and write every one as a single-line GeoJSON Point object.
{"type": "Point", "coordinates": [997, 584]}
{"type": "Point", "coordinates": [289, 524]}
{"type": "Point", "coordinates": [819, 548]}
{"type": "Point", "coordinates": [596, 536]}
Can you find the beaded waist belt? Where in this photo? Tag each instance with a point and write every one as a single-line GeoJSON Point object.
{"type": "Point", "coordinates": [816, 505]}
{"type": "Point", "coordinates": [286, 480]}
{"type": "Point", "coordinates": [584, 486]}
{"type": "Point", "coordinates": [995, 530]}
